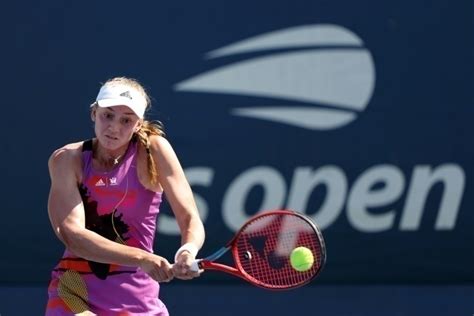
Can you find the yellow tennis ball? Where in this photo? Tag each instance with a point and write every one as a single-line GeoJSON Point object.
{"type": "Point", "coordinates": [301, 259]}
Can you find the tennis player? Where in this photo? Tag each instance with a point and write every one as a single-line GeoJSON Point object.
{"type": "Point", "coordinates": [103, 203]}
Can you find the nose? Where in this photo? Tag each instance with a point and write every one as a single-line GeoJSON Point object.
{"type": "Point", "coordinates": [113, 126]}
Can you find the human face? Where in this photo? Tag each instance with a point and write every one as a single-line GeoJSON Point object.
{"type": "Point", "coordinates": [114, 126]}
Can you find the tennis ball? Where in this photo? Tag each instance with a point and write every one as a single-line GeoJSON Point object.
{"type": "Point", "coordinates": [301, 259]}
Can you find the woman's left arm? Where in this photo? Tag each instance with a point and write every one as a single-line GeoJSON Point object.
{"type": "Point", "coordinates": [180, 196]}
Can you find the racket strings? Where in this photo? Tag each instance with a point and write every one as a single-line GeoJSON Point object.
{"type": "Point", "coordinates": [264, 246]}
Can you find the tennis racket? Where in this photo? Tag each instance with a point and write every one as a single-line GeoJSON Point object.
{"type": "Point", "coordinates": [262, 247]}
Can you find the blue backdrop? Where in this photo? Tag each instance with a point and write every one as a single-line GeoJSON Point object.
{"type": "Point", "coordinates": [357, 113]}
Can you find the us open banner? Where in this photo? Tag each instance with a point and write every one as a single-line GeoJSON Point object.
{"type": "Point", "coordinates": [358, 115]}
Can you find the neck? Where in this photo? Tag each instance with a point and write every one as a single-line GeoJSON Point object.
{"type": "Point", "coordinates": [109, 158]}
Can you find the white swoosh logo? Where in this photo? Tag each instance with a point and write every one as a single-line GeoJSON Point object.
{"type": "Point", "coordinates": [293, 37]}
{"type": "Point", "coordinates": [339, 79]}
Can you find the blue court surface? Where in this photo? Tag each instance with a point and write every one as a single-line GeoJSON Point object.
{"type": "Point", "coordinates": [327, 300]}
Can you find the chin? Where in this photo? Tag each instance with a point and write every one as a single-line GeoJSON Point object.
{"type": "Point", "coordinates": [111, 144]}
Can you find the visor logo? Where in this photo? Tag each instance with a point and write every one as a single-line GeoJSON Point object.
{"type": "Point", "coordinates": [126, 94]}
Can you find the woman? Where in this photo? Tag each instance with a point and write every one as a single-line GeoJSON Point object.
{"type": "Point", "coordinates": [104, 198]}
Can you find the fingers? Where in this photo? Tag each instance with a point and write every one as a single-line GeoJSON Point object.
{"type": "Point", "coordinates": [182, 272]}
{"type": "Point", "coordinates": [182, 268]}
{"type": "Point", "coordinates": [158, 268]}
{"type": "Point", "coordinates": [165, 273]}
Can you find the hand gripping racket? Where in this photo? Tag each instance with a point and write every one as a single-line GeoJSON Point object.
{"type": "Point", "coordinates": [262, 247]}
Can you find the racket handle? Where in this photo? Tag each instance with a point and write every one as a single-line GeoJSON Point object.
{"type": "Point", "coordinates": [195, 265]}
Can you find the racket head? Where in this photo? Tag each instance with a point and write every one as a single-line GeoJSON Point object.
{"type": "Point", "coordinates": [262, 247]}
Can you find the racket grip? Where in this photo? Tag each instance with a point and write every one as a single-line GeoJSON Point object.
{"type": "Point", "coordinates": [195, 266]}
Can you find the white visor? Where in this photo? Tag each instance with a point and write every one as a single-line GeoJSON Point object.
{"type": "Point", "coordinates": [118, 94]}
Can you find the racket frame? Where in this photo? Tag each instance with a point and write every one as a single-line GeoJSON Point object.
{"type": "Point", "coordinates": [208, 263]}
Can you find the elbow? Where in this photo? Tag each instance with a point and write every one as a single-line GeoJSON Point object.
{"type": "Point", "coordinates": [72, 239]}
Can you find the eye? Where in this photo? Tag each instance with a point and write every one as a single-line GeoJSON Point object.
{"type": "Point", "coordinates": [126, 121]}
{"type": "Point", "coordinates": [109, 116]}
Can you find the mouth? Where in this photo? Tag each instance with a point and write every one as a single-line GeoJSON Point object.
{"type": "Point", "coordinates": [111, 137]}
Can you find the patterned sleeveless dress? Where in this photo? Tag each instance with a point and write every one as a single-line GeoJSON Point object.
{"type": "Point", "coordinates": [119, 208]}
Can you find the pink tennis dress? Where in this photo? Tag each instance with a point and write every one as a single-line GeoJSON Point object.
{"type": "Point", "coordinates": [79, 285]}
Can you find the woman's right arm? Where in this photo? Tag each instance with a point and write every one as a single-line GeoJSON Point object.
{"type": "Point", "coordinates": [67, 216]}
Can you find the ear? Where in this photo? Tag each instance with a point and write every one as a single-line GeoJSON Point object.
{"type": "Point", "coordinates": [139, 125]}
{"type": "Point", "coordinates": [93, 113]}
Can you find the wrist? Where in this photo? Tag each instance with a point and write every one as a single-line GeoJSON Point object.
{"type": "Point", "coordinates": [189, 247]}
{"type": "Point", "coordinates": [142, 258]}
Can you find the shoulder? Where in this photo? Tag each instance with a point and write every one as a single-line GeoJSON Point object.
{"type": "Point", "coordinates": [159, 143]}
{"type": "Point", "coordinates": [66, 156]}
{"type": "Point", "coordinates": [160, 148]}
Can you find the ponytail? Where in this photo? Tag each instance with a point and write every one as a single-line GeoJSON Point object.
{"type": "Point", "coordinates": [147, 129]}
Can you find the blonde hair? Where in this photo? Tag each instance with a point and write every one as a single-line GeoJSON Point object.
{"type": "Point", "coordinates": [147, 129]}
